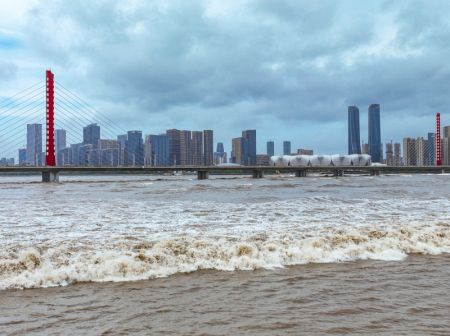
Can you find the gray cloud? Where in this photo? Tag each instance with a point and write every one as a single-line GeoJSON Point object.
{"type": "Point", "coordinates": [198, 63]}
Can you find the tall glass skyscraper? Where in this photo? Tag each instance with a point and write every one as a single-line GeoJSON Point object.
{"type": "Point", "coordinates": [220, 147]}
{"type": "Point", "coordinates": [354, 142]}
{"type": "Point", "coordinates": [287, 148]}
{"type": "Point", "coordinates": [375, 149]}
{"type": "Point", "coordinates": [250, 136]}
{"type": "Point", "coordinates": [270, 148]}
{"type": "Point", "coordinates": [160, 150]}
{"type": "Point", "coordinates": [91, 135]}
{"type": "Point", "coordinates": [34, 145]}
{"type": "Point", "coordinates": [135, 149]}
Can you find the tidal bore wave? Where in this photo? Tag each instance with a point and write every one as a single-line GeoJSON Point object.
{"type": "Point", "coordinates": [134, 258]}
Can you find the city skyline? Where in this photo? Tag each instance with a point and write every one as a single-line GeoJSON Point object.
{"type": "Point", "coordinates": [192, 86]}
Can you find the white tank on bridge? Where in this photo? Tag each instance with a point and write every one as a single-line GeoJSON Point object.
{"type": "Point", "coordinates": [360, 159]}
{"type": "Point", "coordinates": [280, 160]}
{"type": "Point", "coordinates": [300, 161]}
{"type": "Point", "coordinates": [341, 160]}
{"type": "Point", "coordinates": [321, 160]}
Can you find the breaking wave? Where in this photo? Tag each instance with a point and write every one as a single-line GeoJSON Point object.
{"type": "Point", "coordinates": [134, 258]}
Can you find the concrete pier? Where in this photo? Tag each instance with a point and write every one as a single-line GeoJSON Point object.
{"type": "Point", "coordinates": [338, 173]}
{"type": "Point", "coordinates": [374, 172]}
{"type": "Point", "coordinates": [202, 174]}
{"type": "Point", "coordinates": [257, 174]}
{"type": "Point", "coordinates": [300, 173]}
{"type": "Point", "coordinates": [50, 176]}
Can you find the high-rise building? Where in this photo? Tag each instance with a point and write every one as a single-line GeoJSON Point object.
{"type": "Point", "coordinates": [76, 154]}
{"type": "Point", "coordinates": [287, 148]}
{"type": "Point", "coordinates": [34, 145]}
{"type": "Point", "coordinates": [397, 154]}
{"type": "Point", "coordinates": [446, 130]}
{"type": "Point", "coordinates": [208, 147]}
{"type": "Point", "coordinates": [250, 136]}
{"type": "Point", "coordinates": [22, 156]}
{"type": "Point", "coordinates": [365, 148]}
{"type": "Point", "coordinates": [122, 140]}
{"type": "Point", "coordinates": [389, 154]}
{"type": "Point", "coordinates": [431, 145]}
{"type": "Point", "coordinates": [173, 138]}
{"type": "Point", "coordinates": [421, 151]}
{"type": "Point", "coordinates": [134, 149]}
{"type": "Point", "coordinates": [65, 156]}
{"type": "Point", "coordinates": [220, 156]}
{"type": "Point", "coordinates": [302, 151]}
{"type": "Point", "coordinates": [197, 148]}
{"type": "Point", "coordinates": [262, 160]}
{"type": "Point", "coordinates": [240, 151]}
{"type": "Point", "coordinates": [354, 142]}
{"type": "Point", "coordinates": [185, 148]}
{"type": "Point", "coordinates": [409, 152]}
{"type": "Point", "coordinates": [148, 155]}
{"type": "Point", "coordinates": [270, 148]}
{"type": "Point", "coordinates": [91, 135]}
{"type": "Point", "coordinates": [60, 143]}
{"type": "Point", "coordinates": [445, 151]}
{"type": "Point", "coordinates": [160, 150]}
{"type": "Point", "coordinates": [108, 152]}
{"type": "Point", "coordinates": [375, 149]}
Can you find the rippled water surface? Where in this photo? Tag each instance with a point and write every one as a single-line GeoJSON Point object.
{"type": "Point", "coordinates": [235, 255]}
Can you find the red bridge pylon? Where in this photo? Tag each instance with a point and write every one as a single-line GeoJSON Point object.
{"type": "Point", "coordinates": [50, 119]}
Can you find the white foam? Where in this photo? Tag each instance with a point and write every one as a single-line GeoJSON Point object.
{"type": "Point", "coordinates": [128, 260]}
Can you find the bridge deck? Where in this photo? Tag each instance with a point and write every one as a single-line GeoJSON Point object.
{"type": "Point", "coordinates": [229, 170]}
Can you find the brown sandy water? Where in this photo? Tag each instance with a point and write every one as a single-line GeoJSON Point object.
{"type": "Point", "coordinates": [410, 297]}
{"type": "Point", "coordinates": [152, 255]}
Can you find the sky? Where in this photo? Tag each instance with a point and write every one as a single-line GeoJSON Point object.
{"type": "Point", "coordinates": [287, 68]}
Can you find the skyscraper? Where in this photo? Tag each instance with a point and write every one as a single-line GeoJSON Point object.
{"type": "Point", "coordinates": [34, 144]}
{"type": "Point", "coordinates": [148, 156]}
{"type": "Point", "coordinates": [409, 152]}
{"type": "Point", "coordinates": [122, 140]}
{"type": "Point", "coordinates": [220, 148]}
{"type": "Point", "coordinates": [135, 149]}
{"type": "Point", "coordinates": [185, 148]}
{"type": "Point", "coordinates": [354, 142]}
{"type": "Point", "coordinates": [397, 154]}
{"type": "Point", "coordinates": [208, 147]}
{"type": "Point", "coordinates": [22, 156]}
{"type": "Point", "coordinates": [270, 148]}
{"type": "Point", "coordinates": [173, 138]}
{"type": "Point", "coordinates": [431, 144]}
{"type": "Point", "coordinates": [60, 143]}
{"type": "Point", "coordinates": [375, 133]}
{"type": "Point", "coordinates": [389, 154]}
{"type": "Point", "coordinates": [287, 148]}
{"type": "Point", "coordinates": [250, 136]}
{"type": "Point", "coordinates": [197, 148]}
{"type": "Point", "coordinates": [160, 150]}
{"type": "Point", "coordinates": [91, 135]}
{"type": "Point", "coordinates": [240, 151]}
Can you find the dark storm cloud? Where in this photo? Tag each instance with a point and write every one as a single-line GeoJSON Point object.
{"type": "Point", "coordinates": [290, 61]}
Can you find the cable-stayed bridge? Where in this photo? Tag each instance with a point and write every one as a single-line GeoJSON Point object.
{"type": "Point", "coordinates": [50, 108]}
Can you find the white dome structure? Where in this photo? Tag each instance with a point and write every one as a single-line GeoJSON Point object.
{"type": "Point", "coordinates": [338, 160]}
{"type": "Point", "coordinates": [300, 161]}
{"type": "Point", "coordinates": [341, 160]}
{"type": "Point", "coordinates": [320, 160]}
{"type": "Point", "coordinates": [280, 161]}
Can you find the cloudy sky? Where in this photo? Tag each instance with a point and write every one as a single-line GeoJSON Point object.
{"type": "Point", "coordinates": [288, 68]}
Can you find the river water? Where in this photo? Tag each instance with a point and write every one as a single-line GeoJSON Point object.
{"type": "Point", "coordinates": [273, 256]}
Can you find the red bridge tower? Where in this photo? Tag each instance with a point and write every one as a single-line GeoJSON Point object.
{"type": "Point", "coordinates": [438, 139]}
{"type": "Point", "coordinates": [50, 119]}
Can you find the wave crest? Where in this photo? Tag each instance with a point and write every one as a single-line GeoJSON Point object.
{"type": "Point", "coordinates": [42, 265]}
